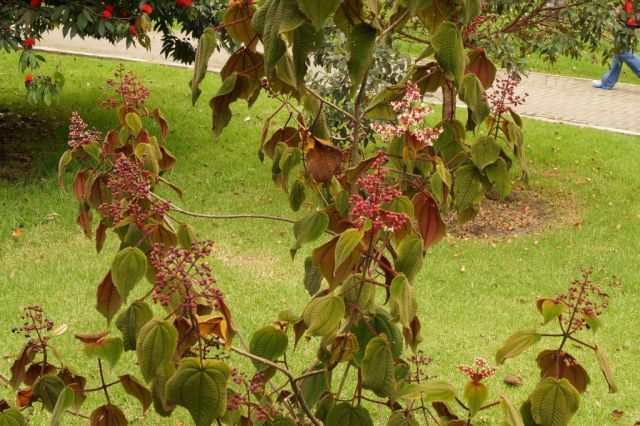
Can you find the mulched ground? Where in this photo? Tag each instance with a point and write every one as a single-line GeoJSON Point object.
{"type": "Point", "coordinates": [524, 212]}
{"type": "Point", "coordinates": [19, 136]}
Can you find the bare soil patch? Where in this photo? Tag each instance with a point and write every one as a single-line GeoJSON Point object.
{"type": "Point", "coordinates": [525, 211]}
{"type": "Point", "coordinates": [22, 137]}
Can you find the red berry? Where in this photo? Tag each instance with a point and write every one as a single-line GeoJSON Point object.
{"type": "Point", "coordinates": [133, 30]}
{"type": "Point", "coordinates": [110, 8]}
{"type": "Point", "coordinates": [28, 78]}
{"type": "Point", "coordinates": [107, 14]}
{"type": "Point", "coordinates": [183, 3]}
{"type": "Point", "coordinates": [35, 3]}
{"type": "Point", "coordinates": [29, 42]}
{"type": "Point", "coordinates": [146, 8]}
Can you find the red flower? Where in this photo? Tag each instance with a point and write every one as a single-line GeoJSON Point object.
{"type": "Point", "coordinates": [28, 79]}
{"type": "Point", "coordinates": [184, 3]}
{"type": "Point", "coordinates": [146, 8]}
{"type": "Point", "coordinates": [110, 8]}
{"type": "Point", "coordinates": [106, 14]}
{"type": "Point", "coordinates": [29, 42]}
{"type": "Point", "coordinates": [133, 30]}
{"type": "Point", "coordinates": [35, 3]}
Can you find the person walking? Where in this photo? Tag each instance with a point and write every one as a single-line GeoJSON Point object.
{"type": "Point", "coordinates": [610, 78]}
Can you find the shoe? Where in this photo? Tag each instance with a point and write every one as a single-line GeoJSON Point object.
{"type": "Point", "coordinates": [599, 85]}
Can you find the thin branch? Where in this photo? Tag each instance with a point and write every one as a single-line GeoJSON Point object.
{"type": "Point", "coordinates": [331, 104]}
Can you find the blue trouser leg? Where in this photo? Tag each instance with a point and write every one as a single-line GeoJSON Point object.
{"type": "Point", "coordinates": [632, 60]}
{"type": "Point", "coordinates": [610, 78]}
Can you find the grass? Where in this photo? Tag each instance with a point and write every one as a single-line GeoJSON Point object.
{"type": "Point", "coordinates": [465, 314]}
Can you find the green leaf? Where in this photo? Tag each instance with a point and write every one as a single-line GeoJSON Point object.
{"type": "Point", "coordinates": [312, 277]}
{"type": "Point", "coordinates": [131, 321]}
{"type": "Point", "coordinates": [273, 18]}
{"type": "Point", "coordinates": [449, 51]}
{"type": "Point", "coordinates": [517, 343]}
{"type": "Point", "coordinates": [485, 151]}
{"type": "Point", "coordinates": [206, 46]}
{"type": "Point", "coordinates": [347, 243]}
{"type": "Point", "coordinates": [361, 45]}
{"type": "Point", "coordinates": [146, 154]}
{"type": "Point", "coordinates": [512, 416]}
{"type": "Point", "coordinates": [309, 228]}
{"type": "Point", "coordinates": [106, 349]}
{"type": "Point", "coordinates": [133, 387]}
{"type": "Point", "coordinates": [408, 392]}
{"type": "Point", "coordinates": [65, 400]}
{"type": "Point", "coordinates": [314, 387]}
{"type": "Point", "coordinates": [48, 389]}
{"type": "Point", "coordinates": [498, 174]}
{"type": "Point", "coordinates": [377, 367]}
{"type": "Point", "coordinates": [12, 417]}
{"type": "Point", "coordinates": [553, 402]}
{"type": "Point", "coordinates": [186, 236]}
{"type": "Point", "coordinates": [550, 309]}
{"type": "Point", "coordinates": [306, 39]}
{"type": "Point", "coordinates": [323, 315]}
{"type": "Point", "coordinates": [410, 256]}
{"type": "Point", "coordinates": [296, 195]}
{"type": "Point", "coordinates": [156, 344]}
{"type": "Point", "coordinates": [344, 414]}
{"type": "Point", "coordinates": [475, 395]}
{"type": "Point", "coordinates": [472, 94]}
{"type": "Point", "coordinates": [64, 161]}
{"type": "Point", "coordinates": [201, 388]}
{"type": "Point", "coordinates": [471, 10]}
{"type": "Point", "coordinates": [128, 267]}
{"type": "Point", "coordinates": [439, 391]}
{"type": "Point", "coordinates": [269, 343]}
{"type": "Point", "coordinates": [133, 122]}
{"type": "Point", "coordinates": [467, 188]}
{"type": "Point", "coordinates": [607, 371]}
{"type": "Point", "coordinates": [404, 305]}
{"type": "Point", "coordinates": [399, 418]}
{"type": "Point", "coordinates": [158, 386]}
{"type": "Point", "coordinates": [318, 11]}
{"type": "Point", "coordinates": [381, 324]}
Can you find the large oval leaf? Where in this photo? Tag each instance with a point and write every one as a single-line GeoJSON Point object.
{"type": "Point", "coordinates": [404, 305]}
{"type": "Point", "coordinates": [381, 323]}
{"type": "Point", "coordinates": [156, 344]}
{"type": "Point", "coordinates": [347, 243]}
{"type": "Point", "coordinates": [512, 416]}
{"type": "Point", "coordinates": [449, 51]}
{"type": "Point", "coordinates": [309, 228]}
{"type": "Point", "coordinates": [377, 367]}
{"type": "Point", "coordinates": [106, 349]}
{"type": "Point", "coordinates": [65, 400]}
{"type": "Point", "coordinates": [517, 343]}
{"type": "Point", "coordinates": [361, 46]}
{"type": "Point", "coordinates": [201, 388]}
{"type": "Point", "coordinates": [269, 343]}
{"type": "Point", "coordinates": [108, 415]}
{"type": "Point", "coordinates": [48, 389]}
{"type": "Point", "coordinates": [323, 315]}
{"type": "Point", "coordinates": [128, 267]}
{"type": "Point", "coordinates": [131, 321]}
{"type": "Point", "coordinates": [410, 256]}
{"type": "Point", "coordinates": [12, 417]}
{"type": "Point", "coordinates": [554, 401]}
{"type": "Point", "coordinates": [475, 394]}
{"type": "Point", "coordinates": [344, 414]}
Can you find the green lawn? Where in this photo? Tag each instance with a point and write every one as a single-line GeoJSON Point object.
{"type": "Point", "coordinates": [465, 314]}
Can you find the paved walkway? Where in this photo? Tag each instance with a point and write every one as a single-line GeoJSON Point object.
{"type": "Point", "coordinates": [551, 98]}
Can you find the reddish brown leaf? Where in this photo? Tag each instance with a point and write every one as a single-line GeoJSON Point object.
{"type": "Point", "coordinates": [232, 88]}
{"type": "Point", "coordinates": [136, 389]}
{"type": "Point", "coordinates": [111, 142]}
{"type": "Point", "coordinates": [91, 337]}
{"type": "Point", "coordinates": [298, 330]}
{"type": "Point", "coordinates": [412, 334]}
{"type": "Point", "coordinates": [108, 415]}
{"type": "Point", "coordinates": [108, 300]}
{"type": "Point", "coordinates": [35, 370]}
{"type": "Point", "coordinates": [482, 67]}
{"type": "Point", "coordinates": [25, 397]}
{"type": "Point", "coordinates": [101, 236]}
{"type": "Point", "coordinates": [162, 122]}
{"type": "Point", "coordinates": [250, 64]}
{"type": "Point", "coordinates": [84, 221]}
{"type": "Point", "coordinates": [561, 365]}
{"type": "Point", "coordinates": [187, 336]}
{"type": "Point", "coordinates": [168, 160]}
{"type": "Point", "coordinates": [289, 135]}
{"type": "Point", "coordinates": [322, 159]}
{"type": "Point", "coordinates": [616, 414]}
{"type": "Point", "coordinates": [162, 235]}
{"type": "Point", "coordinates": [324, 259]}
{"type": "Point", "coordinates": [80, 184]}
{"type": "Point", "coordinates": [76, 383]}
{"type": "Point", "coordinates": [429, 223]}
{"type": "Point", "coordinates": [100, 192]}
{"type": "Point", "coordinates": [19, 367]}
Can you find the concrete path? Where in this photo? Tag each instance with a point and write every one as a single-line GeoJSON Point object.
{"type": "Point", "coordinates": [551, 98]}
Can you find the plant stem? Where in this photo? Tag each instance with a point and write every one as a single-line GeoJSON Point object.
{"type": "Point", "coordinates": [104, 385]}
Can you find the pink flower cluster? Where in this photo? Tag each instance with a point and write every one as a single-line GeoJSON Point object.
{"type": "Point", "coordinates": [374, 193]}
{"type": "Point", "coordinates": [265, 410]}
{"type": "Point", "coordinates": [79, 132]}
{"type": "Point", "coordinates": [411, 114]}
{"type": "Point", "coordinates": [182, 271]}
{"type": "Point", "coordinates": [130, 187]}
{"type": "Point", "coordinates": [133, 93]}
{"type": "Point", "coordinates": [503, 94]}
{"type": "Point", "coordinates": [479, 370]}
{"type": "Point", "coordinates": [586, 298]}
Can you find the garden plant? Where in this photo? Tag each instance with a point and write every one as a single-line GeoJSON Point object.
{"type": "Point", "coordinates": [373, 199]}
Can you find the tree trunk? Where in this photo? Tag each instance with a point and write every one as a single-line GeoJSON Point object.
{"type": "Point", "coordinates": [448, 102]}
